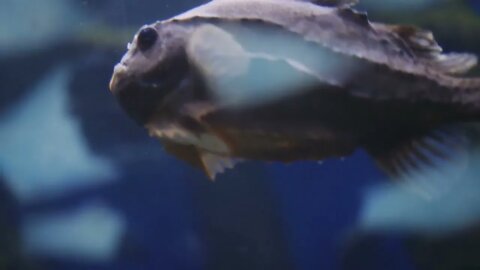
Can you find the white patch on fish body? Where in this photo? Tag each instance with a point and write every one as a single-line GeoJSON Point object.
{"type": "Point", "coordinates": [209, 44]}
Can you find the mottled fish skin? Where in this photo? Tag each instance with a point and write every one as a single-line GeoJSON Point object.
{"type": "Point", "coordinates": [394, 88]}
{"type": "Point", "coordinates": [342, 30]}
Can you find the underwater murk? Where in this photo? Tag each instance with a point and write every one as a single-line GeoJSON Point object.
{"type": "Point", "coordinates": [239, 134]}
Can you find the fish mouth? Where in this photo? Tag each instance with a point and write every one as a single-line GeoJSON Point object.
{"type": "Point", "coordinates": [143, 95]}
{"type": "Point", "coordinates": [139, 99]}
{"type": "Point", "coordinates": [118, 80]}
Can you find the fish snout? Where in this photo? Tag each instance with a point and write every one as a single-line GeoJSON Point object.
{"type": "Point", "coordinates": [139, 99]}
{"type": "Point", "coordinates": [119, 78]}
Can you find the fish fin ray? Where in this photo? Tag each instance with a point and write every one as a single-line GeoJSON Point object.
{"type": "Point", "coordinates": [423, 45]}
{"type": "Point", "coordinates": [326, 3]}
{"type": "Point", "coordinates": [211, 164]}
{"type": "Point", "coordinates": [187, 153]}
{"type": "Point", "coordinates": [455, 63]}
{"type": "Point", "coordinates": [440, 159]}
{"type": "Point", "coordinates": [419, 40]}
{"type": "Point", "coordinates": [333, 3]}
{"type": "Point", "coordinates": [214, 164]}
{"type": "Point", "coordinates": [359, 18]}
{"type": "Point", "coordinates": [400, 158]}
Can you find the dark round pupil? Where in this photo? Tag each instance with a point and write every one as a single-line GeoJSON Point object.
{"type": "Point", "coordinates": [146, 38]}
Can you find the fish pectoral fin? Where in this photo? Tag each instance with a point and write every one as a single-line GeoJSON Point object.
{"type": "Point", "coordinates": [216, 53]}
{"type": "Point", "coordinates": [214, 164]}
{"type": "Point", "coordinates": [405, 155]}
{"type": "Point", "coordinates": [430, 162]}
{"type": "Point", "coordinates": [185, 152]}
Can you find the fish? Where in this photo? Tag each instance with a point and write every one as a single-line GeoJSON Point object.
{"type": "Point", "coordinates": [295, 80]}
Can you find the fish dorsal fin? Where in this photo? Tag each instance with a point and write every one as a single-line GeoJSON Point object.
{"type": "Point", "coordinates": [333, 3]}
{"type": "Point", "coordinates": [423, 45]}
{"type": "Point", "coordinates": [454, 63]}
{"type": "Point", "coordinates": [326, 3]}
{"type": "Point", "coordinates": [359, 18]}
{"type": "Point", "coordinates": [420, 41]}
{"type": "Point", "coordinates": [214, 164]}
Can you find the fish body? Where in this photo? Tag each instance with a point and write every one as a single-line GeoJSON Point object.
{"type": "Point", "coordinates": [289, 80]}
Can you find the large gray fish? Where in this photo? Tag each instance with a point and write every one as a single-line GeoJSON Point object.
{"type": "Point", "coordinates": [288, 80]}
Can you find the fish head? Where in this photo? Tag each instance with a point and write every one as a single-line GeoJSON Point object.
{"type": "Point", "coordinates": [152, 68]}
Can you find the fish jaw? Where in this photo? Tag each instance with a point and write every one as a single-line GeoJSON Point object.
{"type": "Point", "coordinates": [118, 79]}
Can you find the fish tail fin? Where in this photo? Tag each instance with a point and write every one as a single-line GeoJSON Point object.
{"type": "Point", "coordinates": [439, 153]}
{"type": "Point", "coordinates": [431, 162]}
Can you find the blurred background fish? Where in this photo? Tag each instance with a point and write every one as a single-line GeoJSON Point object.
{"type": "Point", "coordinates": [85, 189]}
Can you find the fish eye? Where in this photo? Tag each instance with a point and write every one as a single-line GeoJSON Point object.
{"type": "Point", "coordinates": [146, 38]}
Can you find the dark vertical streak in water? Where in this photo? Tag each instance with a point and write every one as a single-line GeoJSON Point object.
{"type": "Point", "coordinates": [241, 223]}
{"type": "Point", "coordinates": [10, 248]}
{"type": "Point", "coordinates": [457, 251]}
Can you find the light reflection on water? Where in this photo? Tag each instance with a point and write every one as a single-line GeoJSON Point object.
{"type": "Point", "coordinates": [90, 233]}
{"type": "Point", "coordinates": [42, 150]}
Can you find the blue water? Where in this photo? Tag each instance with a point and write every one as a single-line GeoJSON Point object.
{"type": "Point", "coordinates": [84, 187]}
